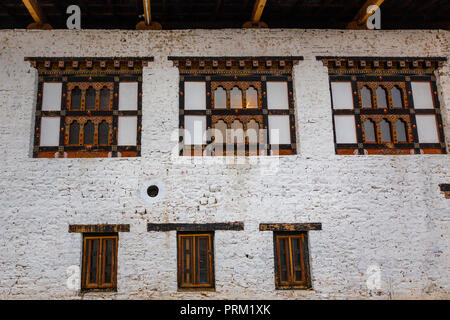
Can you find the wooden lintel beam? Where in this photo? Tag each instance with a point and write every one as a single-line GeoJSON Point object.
{"type": "Point", "coordinates": [359, 22]}
{"type": "Point", "coordinates": [258, 9]}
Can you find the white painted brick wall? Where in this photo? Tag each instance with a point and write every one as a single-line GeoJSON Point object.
{"type": "Point", "coordinates": [386, 211]}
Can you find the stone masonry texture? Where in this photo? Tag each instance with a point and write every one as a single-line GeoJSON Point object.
{"type": "Point", "coordinates": [381, 216]}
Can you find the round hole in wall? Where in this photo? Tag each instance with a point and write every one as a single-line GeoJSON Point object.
{"type": "Point", "coordinates": [152, 191]}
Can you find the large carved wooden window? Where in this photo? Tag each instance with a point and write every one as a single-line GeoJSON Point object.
{"type": "Point", "coordinates": [291, 260]}
{"type": "Point", "coordinates": [195, 260]}
{"type": "Point", "coordinates": [88, 108]}
{"type": "Point", "coordinates": [236, 106]}
{"type": "Point", "coordinates": [99, 268]}
{"type": "Point", "coordinates": [385, 106]}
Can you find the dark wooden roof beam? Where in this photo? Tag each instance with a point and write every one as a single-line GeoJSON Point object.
{"type": "Point", "coordinates": [255, 22]}
{"type": "Point", "coordinates": [148, 24]}
{"type": "Point", "coordinates": [360, 20]}
{"type": "Point", "coordinates": [36, 12]}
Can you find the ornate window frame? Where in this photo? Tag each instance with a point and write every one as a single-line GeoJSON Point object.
{"type": "Point", "coordinates": [240, 72]}
{"type": "Point", "coordinates": [84, 72]}
{"type": "Point", "coordinates": [386, 72]}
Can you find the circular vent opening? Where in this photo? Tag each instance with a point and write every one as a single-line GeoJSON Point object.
{"type": "Point", "coordinates": [152, 191]}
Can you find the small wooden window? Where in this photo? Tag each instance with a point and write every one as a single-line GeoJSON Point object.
{"type": "Point", "coordinates": [99, 262]}
{"type": "Point", "coordinates": [195, 260]}
{"type": "Point", "coordinates": [385, 129]}
{"type": "Point", "coordinates": [291, 261]}
{"type": "Point", "coordinates": [381, 97]}
{"type": "Point", "coordinates": [369, 131]}
{"type": "Point", "coordinates": [366, 97]}
{"type": "Point", "coordinates": [105, 98]}
{"type": "Point", "coordinates": [90, 99]}
{"type": "Point", "coordinates": [75, 98]}
{"type": "Point", "coordinates": [74, 136]}
{"type": "Point", "coordinates": [88, 133]}
{"type": "Point", "coordinates": [397, 101]}
{"type": "Point", "coordinates": [400, 128]}
{"type": "Point", "coordinates": [103, 133]}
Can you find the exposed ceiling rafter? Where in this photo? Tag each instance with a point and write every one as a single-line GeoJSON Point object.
{"type": "Point", "coordinates": [148, 24]}
{"type": "Point", "coordinates": [360, 20]}
{"type": "Point", "coordinates": [255, 22]}
{"type": "Point", "coordinates": [36, 12]}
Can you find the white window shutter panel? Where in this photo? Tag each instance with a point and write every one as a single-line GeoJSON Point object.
{"type": "Point", "coordinates": [51, 96]}
{"type": "Point", "coordinates": [277, 95]}
{"type": "Point", "coordinates": [128, 96]}
{"type": "Point", "coordinates": [49, 133]}
{"type": "Point", "coordinates": [127, 131]}
{"type": "Point", "coordinates": [195, 95]}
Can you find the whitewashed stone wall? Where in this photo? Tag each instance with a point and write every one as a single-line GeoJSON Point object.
{"type": "Point", "coordinates": [376, 211]}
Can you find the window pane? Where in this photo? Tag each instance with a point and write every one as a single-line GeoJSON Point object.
{"type": "Point", "coordinates": [296, 257]}
{"type": "Point", "coordinates": [89, 133]}
{"type": "Point", "coordinates": [74, 134]}
{"type": "Point", "coordinates": [202, 260]}
{"type": "Point", "coordinates": [128, 96]}
{"type": "Point", "coordinates": [195, 130]}
{"type": "Point", "coordinates": [366, 97]}
{"type": "Point", "coordinates": [252, 131]}
{"type": "Point", "coordinates": [75, 97]}
{"type": "Point", "coordinates": [49, 131]}
{"type": "Point", "coordinates": [345, 129]}
{"type": "Point", "coordinates": [422, 95]}
{"type": "Point", "coordinates": [187, 259]}
{"type": "Point", "coordinates": [90, 98]}
{"type": "Point", "coordinates": [220, 98]}
{"type": "Point", "coordinates": [236, 98]}
{"type": "Point", "coordinates": [220, 132]}
{"type": "Point", "coordinates": [103, 133]}
{"type": "Point", "coordinates": [93, 258]}
{"type": "Point", "coordinates": [127, 131]}
{"type": "Point", "coordinates": [109, 249]}
{"type": "Point", "coordinates": [342, 95]}
{"type": "Point", "coordinates": [194, 95]}
{"type": "Point", "coordinates": [277, 95]}
{"type": "Point", "coordinates": [385, 128]}
{"type": "Point", "coordinates": [427, 129]}
{"type": "Point", "coordinates": [105, 97]}
{"type": "Point", "coordinates": [397, 100]}
{"type": "Point", "coordinates": [381, 98]}
{"type": "Point", "coordinates": [251, 97]}
{"type": "Point", "coordinates": [236, 132]}
{"type": "Point", "coordinates": [51, 100]}
{"type": "Point", "coordinates": [284, 260]}
{"type": "Point", "coordinates": [400, 128]}
{"type": "Point", "coordinates": [369, 131]}
{"type": "Point", "coordinates": [279, 130]}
